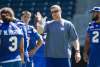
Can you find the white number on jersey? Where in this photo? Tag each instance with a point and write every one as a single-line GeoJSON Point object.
{"type": "Point", "coordinates": [13, 46]}
{"type": "Point", "coordinates": [95, 38]}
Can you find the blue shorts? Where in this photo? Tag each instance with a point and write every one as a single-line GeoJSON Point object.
{"type": "Point", "coordinates": [11, 64]}
{"type": "Point", "coordinates": [93, 61]}
{"type": "Point", "coordinates": [39, 61]}
{"type": "Point", "coordinates": [94, 57]}
{"type": "Point", "coordinates": [58, 62]}
{"type": "Point", "coordinates": [38, 58]}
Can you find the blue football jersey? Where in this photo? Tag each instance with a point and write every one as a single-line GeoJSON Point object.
{"type": "Point", "coordinates": [94, 38]}
{"type": "Point", "coordinates": [94, 33]}
{"type": "Point", "coordinates": [10, 38]}
{"type": "Point", "coordinates": [22, 26]}
{"type": "Point", "coordinates": [33, 36]}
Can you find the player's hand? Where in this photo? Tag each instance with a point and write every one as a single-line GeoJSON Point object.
{"type": "Point", "coordinates": [31, 52]}
{"type": "Point", "coordinates": [85, 57]}
{"type": "Point", "coordinates": [77, 57]}
{"type": "Point", "coordinates": [38, 16]}
{"type": "Point", "coordinates": [22, 61]}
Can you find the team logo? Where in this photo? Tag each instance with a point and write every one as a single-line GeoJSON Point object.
{"type": "Point", "coordinates": [62, 28]}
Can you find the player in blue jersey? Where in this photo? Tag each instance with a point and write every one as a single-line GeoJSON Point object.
{"type": "Point", "coordinates": [39, 59]}
{"type": "Point", "coordinates": [92, 45]}
{"type": "Point", "coordinates": [22, 26]}
{"type": "Point", "coordinates": [11, 41]}
{"type": "Point", "coordinates": [33, 36]}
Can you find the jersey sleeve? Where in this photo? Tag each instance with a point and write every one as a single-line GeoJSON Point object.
{"type": "Point", "coordinates": [36, 35]}
{"type": "Point", "coordinates": [72, 33]}
{"type": "Point", "coordinates": [46, 27]}
{"type": "Point", "coordinates": [88, 28]}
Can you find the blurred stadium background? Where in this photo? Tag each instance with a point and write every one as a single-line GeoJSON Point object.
{"type": "Point", "coordinates": [73, 10]}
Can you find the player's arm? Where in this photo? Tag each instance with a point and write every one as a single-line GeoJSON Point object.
{"type": "Point", "coordinates": [75, 42]}
{"type": "Point", "coordinates": [76, 45]}
{"type": "Point", "coordinates": [39, 42]}
{"type": "Point", "coordinates": [22, 49]}
{"type": "Point", "coordinates": [86, 48]}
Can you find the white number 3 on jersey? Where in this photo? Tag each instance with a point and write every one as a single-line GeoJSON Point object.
{"type": "Point", "coordinates": [13, 46]}
{"type": "Point", "coordinates": [95, 38]}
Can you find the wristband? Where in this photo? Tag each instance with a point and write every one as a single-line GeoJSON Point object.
{"type": "Point", "coordinates": [77, 51]}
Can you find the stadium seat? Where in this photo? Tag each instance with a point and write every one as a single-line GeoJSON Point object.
{"type": "Point", "coordinates": [68, 6]}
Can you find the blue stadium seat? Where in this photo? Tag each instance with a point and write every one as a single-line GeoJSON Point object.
{"type": "Point", "coordinates": [68, 6]}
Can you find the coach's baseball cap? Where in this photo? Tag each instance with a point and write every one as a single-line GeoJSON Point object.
{"type": "Point", "coordinates": [96, 9]}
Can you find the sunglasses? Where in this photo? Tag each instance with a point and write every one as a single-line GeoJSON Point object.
{"type": "Point", "coordinates": [55, 11]}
